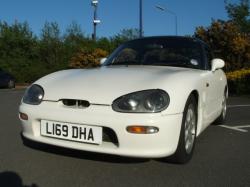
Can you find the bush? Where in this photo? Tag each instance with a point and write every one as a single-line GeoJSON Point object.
{"type": "Point", "coordinates": [87, 58]}
{"type": "Point", "coordinates": [239, 81]}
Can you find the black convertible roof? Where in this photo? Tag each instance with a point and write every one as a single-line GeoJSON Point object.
{"type": "Point", "coordinates": [184, 38]}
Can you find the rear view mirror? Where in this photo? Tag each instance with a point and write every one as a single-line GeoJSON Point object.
{"type": "Point", "coordinates": [217, 64]}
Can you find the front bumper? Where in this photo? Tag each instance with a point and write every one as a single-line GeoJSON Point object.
{"type": "Point", "coordinates": [162, 144]}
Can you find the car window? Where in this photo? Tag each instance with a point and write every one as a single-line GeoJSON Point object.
{"type": "Point", "coordinates": [209, 57]}
{"type": "Point", "coordinates": [127, 55]}
{"type": "Point", "coordinates": [159, 52]}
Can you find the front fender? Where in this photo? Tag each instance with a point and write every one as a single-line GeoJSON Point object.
{"type": "Point", "coordinates": [180, 90]}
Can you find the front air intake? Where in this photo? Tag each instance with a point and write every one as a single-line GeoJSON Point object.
{"type": "Point", "coordinates": [75, 103]}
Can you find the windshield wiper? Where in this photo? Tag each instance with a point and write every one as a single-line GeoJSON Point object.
{"type": "Point", "coordinates": [174, 64]}
{"type": "Point", "coordinates": [124, 63]}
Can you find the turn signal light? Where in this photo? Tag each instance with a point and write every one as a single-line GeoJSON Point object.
{"type": "Point", "coordinates": [23, 116]}
{"type": "Point", "coordinates": [142, 129]}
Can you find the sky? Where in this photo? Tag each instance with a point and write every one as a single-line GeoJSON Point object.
{"type": "Point", "coordinates": [115, 15]}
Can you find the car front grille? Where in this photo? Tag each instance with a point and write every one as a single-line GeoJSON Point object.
{"type": "Point", "coordinates": [108, 134]}
{"type": "Point", "coordinates": [75, 103]}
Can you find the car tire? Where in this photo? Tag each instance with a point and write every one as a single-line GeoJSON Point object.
{"type": "Point", "coordinates": [11, 84]}
{"type": "Point", "coordinates": [187, 137]}
{"type": "Point", "coordinates": [221, 119]}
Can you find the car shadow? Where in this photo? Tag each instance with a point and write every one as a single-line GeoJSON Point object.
{"type": "Point", "coordinates": [12, 179]}
{"type": "Point", "coordinates": [81, 154]}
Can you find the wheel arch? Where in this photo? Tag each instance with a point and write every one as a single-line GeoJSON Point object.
{"type": "Point", "coordinates": [180, 155]}
{"type": "Point", "coordinates": [196, 95]}
{"type": "Point", "coordinates": [226, 91]}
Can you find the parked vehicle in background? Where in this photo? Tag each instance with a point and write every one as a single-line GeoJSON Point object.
{"type": "Point", "coordinates": [6, 80]}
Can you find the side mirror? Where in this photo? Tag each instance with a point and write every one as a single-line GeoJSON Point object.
{"type": "Point", "coordinates": [103, 60]}
{"type": "Point", "coordinates": [217, 64]}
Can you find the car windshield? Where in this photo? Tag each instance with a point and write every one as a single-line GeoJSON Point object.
{"type": "Point", "coordinates": [161, 51]}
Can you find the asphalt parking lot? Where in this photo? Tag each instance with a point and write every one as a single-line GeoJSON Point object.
{"type": "Point", "coordinates": [221, 158]}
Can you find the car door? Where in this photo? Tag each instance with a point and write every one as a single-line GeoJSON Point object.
{"type": "Point", "coordinates": [213, 90]}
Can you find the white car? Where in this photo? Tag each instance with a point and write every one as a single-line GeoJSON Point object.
{"type": "Point", "coordinates": [151, 98]}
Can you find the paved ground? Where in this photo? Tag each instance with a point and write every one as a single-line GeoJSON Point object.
{"type": "Point", "coordinates": [221, 158]}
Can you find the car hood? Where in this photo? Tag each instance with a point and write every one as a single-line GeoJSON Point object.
{"type": "Point", "coordinates": [103, 85]}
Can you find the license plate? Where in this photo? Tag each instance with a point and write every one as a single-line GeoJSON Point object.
{"type": "Point", "coordinates": [72, 132]}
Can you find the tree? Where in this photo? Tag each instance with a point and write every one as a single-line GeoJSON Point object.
{"type": "Point", "coordinates": [74, 36]}
{"type": "Point", "coordinates": [73, 40]}
{"type": "Point", "coordinates": [51, 46]}
{"type": "Point", "coordinates": [105, 44]}
{"type": "Point", "coordinates": [230, 39]}
{"type": "Point", "coordinates": [239, 14]}
{"type": "Point", "coordinates": [17, 49]}
{"type": "Point", "coordinates": [129, 34]}
{"type": "Point", "coordinates": [123, 36]}
{"type": "Point", "coordinates": [228, 42]}
{"type": "Point", "coordinates": [15, 40]}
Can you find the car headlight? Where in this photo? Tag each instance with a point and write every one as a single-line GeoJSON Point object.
{"type": "Point", "coordinates": [33, 95]}
{"type": "Point", "coordinates": [147, 101]}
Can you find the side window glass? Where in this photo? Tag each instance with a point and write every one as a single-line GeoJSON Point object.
{"type": "Point", "coordinates": [127, 55]}
{"type": "Point", "coordinates": [209, 57]}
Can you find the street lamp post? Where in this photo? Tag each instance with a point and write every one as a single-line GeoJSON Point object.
{"type": "Point", "coordinates": [140, 19]}
{"type": "Point", "coordinates": [171, 12]}
{"type": "Point", "coordinates": [96, 21]}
